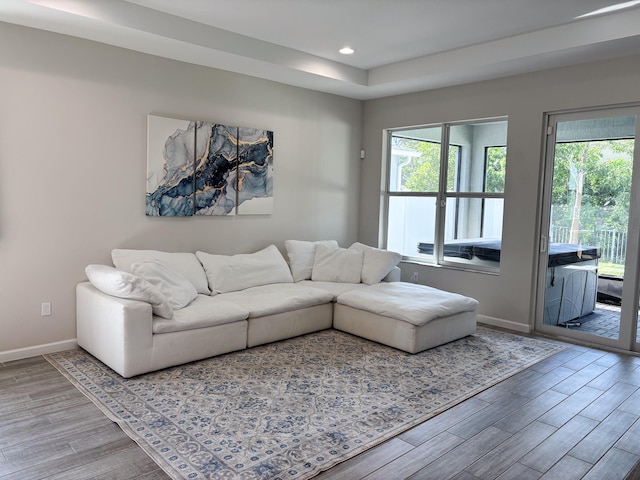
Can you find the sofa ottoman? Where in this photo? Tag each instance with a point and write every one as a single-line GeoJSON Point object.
{"type": "Point", "coordinates": [405, 316]}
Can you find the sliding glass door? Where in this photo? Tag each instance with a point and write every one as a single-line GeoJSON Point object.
{"type": "Point", "coordinates": [588, 271]}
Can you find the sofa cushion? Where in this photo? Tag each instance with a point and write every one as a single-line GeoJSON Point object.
{"type": "Point", "coordinates": [334, 264]}
{"type": "Point", "coordinates": [416, 304]}
{"type": "Point", "coordinates": [394, 275]}
{"type": "Point", "coordinates": [334, 288]}
{"type": "Point", "coordinates": [127, 285]}
{"type": "Point", "coordinates": [179, 291]}
{"type": "Point", "coordinates": [277, 298]}
{"type": "Point", "coordinates": [204, 311]}
{"type": "Point", "coordinates": [185, 263]}
{"type": "Point", "coordinates": [301, 255]}
{"type": "Point", "coordinates": [376, 263]}
{"type": "Point", "coordinates": [229, 273]}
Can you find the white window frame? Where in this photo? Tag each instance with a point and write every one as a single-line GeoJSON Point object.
{"type": "Point", "coordinates": [441, 196]}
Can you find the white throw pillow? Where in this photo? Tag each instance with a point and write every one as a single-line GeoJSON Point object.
{"type": "Point", "coordinates": [333, 264]}
{"type": "Point", "coordinates": [230, 273]}
{"type": "Point", "coordinates": [377, 263]}
{"type": "Point", "coordinates": [127, 285]}
{"type": "Point", "coordinates": [302, 254]}
{"type": "Point", "coordinates": [179, 291]}
{"type": "Point", "coordinates": [185, 263]}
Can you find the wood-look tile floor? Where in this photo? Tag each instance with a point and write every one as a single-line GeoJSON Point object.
{"type": "Point", "coordinates": [573, 415]}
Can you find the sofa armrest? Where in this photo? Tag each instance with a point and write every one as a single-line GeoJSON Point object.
{"type": "Point", "coordinates": [115, 330]}
{"type": "Point", "coordinates": [393, 275]}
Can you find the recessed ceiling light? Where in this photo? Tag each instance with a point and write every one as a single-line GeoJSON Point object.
{"type": "Point", "coordinates": [612, 8]}
{"type": "Point", "coordinates": [346, 50]}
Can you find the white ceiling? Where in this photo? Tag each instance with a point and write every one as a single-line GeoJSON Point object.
{"type": "Point", "coordinates": [401, 45]}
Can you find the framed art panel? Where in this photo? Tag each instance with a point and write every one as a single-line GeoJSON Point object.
{"type": "Point", "coordinates": [170, 153]}
{"type": "Point", "coordinates": [205, 168]}
{"type": "Point", "coordinates": [216, 168]}
{"type": "Point", "coordinates": [255, 171]}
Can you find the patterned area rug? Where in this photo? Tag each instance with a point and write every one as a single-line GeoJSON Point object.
{"type": "Point", "coordinates": [291, 409]}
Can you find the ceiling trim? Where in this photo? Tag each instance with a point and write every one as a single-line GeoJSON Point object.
{"type": "Point", "coordinates": [129, 25]}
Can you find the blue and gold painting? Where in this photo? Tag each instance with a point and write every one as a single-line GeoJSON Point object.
{"type": "Point", "coordinates": [231, 169]}
{"type": "Point", "coordinates": [170, 166]}
{"type": "Point", "coordinates": [255, 172]}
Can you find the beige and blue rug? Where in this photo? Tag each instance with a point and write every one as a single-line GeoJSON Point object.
{"type": "Point", "coordinates": [291, 409]}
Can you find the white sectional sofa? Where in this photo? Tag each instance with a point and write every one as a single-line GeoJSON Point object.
{"type": "Point", "coordinates": [157, 309]}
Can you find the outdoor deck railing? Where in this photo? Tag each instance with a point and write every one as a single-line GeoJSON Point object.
{"type": "Point", "coordinates": [612, 243]}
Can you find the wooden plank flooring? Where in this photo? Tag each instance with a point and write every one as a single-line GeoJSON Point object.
{"type": "Point", "coordinates": [574, 415]}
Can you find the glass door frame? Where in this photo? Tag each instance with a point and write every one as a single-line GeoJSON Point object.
{"type": "Point", "coordinates": [629, 314]}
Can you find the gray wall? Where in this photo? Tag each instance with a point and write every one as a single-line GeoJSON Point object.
{"type": "Point", "coordinates": [506, 299]}
{"type": "Point", "coordinates": [73, 165]}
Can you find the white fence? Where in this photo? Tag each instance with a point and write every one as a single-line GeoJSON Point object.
{"type": "Point", "coordinates": [613, 243]}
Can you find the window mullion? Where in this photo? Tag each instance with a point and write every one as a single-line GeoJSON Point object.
{"type": "Point", "coordinates": [438, 247]}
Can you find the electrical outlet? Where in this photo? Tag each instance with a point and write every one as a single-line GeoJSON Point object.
{"type": "Point", "coordinates": [414, 277]}
{"type": "Point", "coordinates": [46, 309]}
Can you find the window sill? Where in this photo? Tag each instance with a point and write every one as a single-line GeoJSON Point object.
{"type": "Point", "coordinates": [460, 266]}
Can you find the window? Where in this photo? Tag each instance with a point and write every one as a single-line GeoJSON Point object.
{"type": "Point", "coordinates": [445, 205]}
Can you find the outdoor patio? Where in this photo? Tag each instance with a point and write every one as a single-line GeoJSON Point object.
{"type": "Point", "coordinates": [604, 321]}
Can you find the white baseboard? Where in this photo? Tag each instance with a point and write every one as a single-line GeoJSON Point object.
{"type": "Point", "coordinates": [21, 353]}
{"type": "Point", "coordinates": [499, 322]}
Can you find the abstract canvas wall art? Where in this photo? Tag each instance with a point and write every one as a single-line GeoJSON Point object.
{"type": "Point", "coordinates": [204, 168]}
{"type": "Point", "coordinates": [170, 154]}
{"type": "Point", "coordinates": [215, 173]}
{"type": "Point", "coordinates": [255, 171]}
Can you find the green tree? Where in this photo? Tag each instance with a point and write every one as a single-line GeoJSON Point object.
{"type": "Point", "coordinates": [422, 174]}
{"type": "Point", "coordinates": [591, 186]}
{"type": "Point", "coordinates": [496, 169]}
